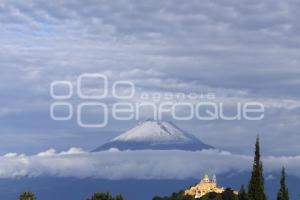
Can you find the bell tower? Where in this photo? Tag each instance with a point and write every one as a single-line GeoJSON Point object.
{"type": "Point", "coordinates": [206, 179]}
{"type": "Point", "coordinates": [214, 179]}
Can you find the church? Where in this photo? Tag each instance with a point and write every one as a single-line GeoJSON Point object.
{"type": "Point", "coordinates": [205, 186]}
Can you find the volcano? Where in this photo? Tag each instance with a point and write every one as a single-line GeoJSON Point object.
{"type": "Point", "coordinates": [155, 135]}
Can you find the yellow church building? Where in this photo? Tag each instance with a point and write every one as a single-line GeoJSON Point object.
{"type": "Point", "coordinates": [205, 186]}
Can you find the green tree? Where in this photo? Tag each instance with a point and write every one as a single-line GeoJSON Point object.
{"type": "Point", "coordinates": [27, 196]}
{"type": "Point", "coordinates": [242, 194]}
{"type": "Point", "coordinates": [228, 194]}
{"type": "Point", "coordinates": [283, 193]}
{"type": "Point", "coordinates": [256, 190]}
{"type": "Point", "coordinates": [174, 196]}
{"type": "Point", "coordinates": [104, 196]}
{"type": "Point", "coordinates": [119, 197]}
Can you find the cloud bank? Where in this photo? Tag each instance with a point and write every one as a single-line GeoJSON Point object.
{"type": "Point", "coordinates": [146, 164]}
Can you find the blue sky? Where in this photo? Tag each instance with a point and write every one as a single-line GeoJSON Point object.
{"type": "Point", "coordinates": [240, 50]}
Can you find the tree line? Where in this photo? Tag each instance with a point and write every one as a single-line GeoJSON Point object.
{"type": "Point", "coordinates": [95, 196]}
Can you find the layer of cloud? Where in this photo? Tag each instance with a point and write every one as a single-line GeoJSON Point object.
{"type": "Point", "coordinates": [146, 164]}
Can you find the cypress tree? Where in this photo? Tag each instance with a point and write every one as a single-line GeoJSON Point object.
{"type": "Point", "coordinates": [256, 190]}
{"type": "Point", "coordinates": [283, 193]}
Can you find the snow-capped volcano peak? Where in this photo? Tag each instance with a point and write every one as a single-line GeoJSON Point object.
{"type": "Point", "coordinates": [155, 131]}
{"type": "Point", "coordinates": [160, 135]}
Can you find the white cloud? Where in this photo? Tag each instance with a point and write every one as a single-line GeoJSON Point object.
{"type": "Point", "coordinates": [49, 152]}
{"type": "Point", "coordinates": [146, 164]}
